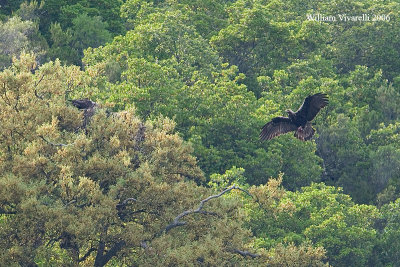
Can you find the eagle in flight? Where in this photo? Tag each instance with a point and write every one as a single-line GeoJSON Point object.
{"type": "Point", "coordinates": [299, 121]}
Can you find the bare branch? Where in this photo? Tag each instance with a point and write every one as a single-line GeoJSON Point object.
{"type": "Point", "coordinates": [246, 253]}
{"type": "Point", "coordinates": [53, 144]}
{"type": "Point", "coordinates": [71, 202]}
{"type": "Point", "coordinates": [177, 221]}
{"type": "Point", "coordinates": [126, 201]}
{"type": "Point", "coordinates": [36, 85]}
{"type": "Point", "coordinates": [41, 79]}
{"type": "Point", "coordinates": [52, 241]}
{"type": "Point", "coordinates": [16, 102]}
{"type": "Point", "coordinates": [37, 95]}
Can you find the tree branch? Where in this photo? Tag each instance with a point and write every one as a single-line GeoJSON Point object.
{"type": "Point", "coordinates": [71, 202]}
{"type": "Point", "coordinates": [121, 207]}
{"type": "Point", "coordinates": [113, 251]}
{"type": "Point", "coordinates": [37, 95]}
{"type": "Point", "coordinates": [245, 253]}
{"type": "Point", "coordinates": [177, 221]}
{"type": "Point", "coordinates": [86, 255]}
{"type": "Point", "coordinates": [54, 144]}
{"type": "Point", "coordinates": [101, 258]}
{"type": "Point", "coordinates": [36, 84]}
{"type": "Point", "coordinates": [126, 201]}
{"type": "Point", "coordinates": [2, 211]}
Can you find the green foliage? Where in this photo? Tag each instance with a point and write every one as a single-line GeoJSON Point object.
{"type": "Point", "coordinates": [165, 67]}
{"type": "Point", "coordinates": [304, 255]}
{"type": "Point", "coordinates": [109, 189]}
{"type": "Point", "coordinates": [17, 35]}
{"type": "Point", "coordinates": [320, 214]}
{"type": "Point", "coordinates": [231, 176]}
{"type": "Point", "coordinates": [207, 17]}
{"type": "Point", "coordinates": [64, 12]}
{"type": "Point", "coordinates": [86, 32]}
{"type": "Point", "coordinates": [388, 252]}
{"type": "Point", "coordinates": [8, 7]}
{"type": "Point", "coordinates": [187, 86]}
{"type": "Point", "coordinates": [345, 230]}
{"type": "Point", "coordinates": [30, 11]}
{"type": "Point", "coordinates": [346, 158]}
{"type": "Point", "coordinates": [86, 23]}
{"type": "Point", "coordinates": [249, 41]}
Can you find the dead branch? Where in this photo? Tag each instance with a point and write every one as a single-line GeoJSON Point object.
{"type": "Point", "coordinates": [71, 202]}
{"type": "Point", "coordinates": [36, 85]}
{"type": "Point", "coordinates": [41, 79]}
{"type": "Point", "coordinates": [245, 253]}
{"type": "Point", "coordinates": [126, 201]}
{"type": "Point", "coordinates": [37, 95]}
{"type": "Point", "coordinates": [52, 241]}
{"type": "Point", "coordinates": [177, 221]}
{"type": "Point", "coordinates": [53, 144]}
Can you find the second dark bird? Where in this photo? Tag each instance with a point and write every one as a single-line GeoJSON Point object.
{"type": "Point", "coordinates": [299, 121]}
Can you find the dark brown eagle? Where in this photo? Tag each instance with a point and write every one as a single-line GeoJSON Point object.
{"type": "Point", "coordinates": [83, 103]}
{"type": "Point", "coordinates": [299, 121]}
{"type": "Point", "coordinates": [89, 108]}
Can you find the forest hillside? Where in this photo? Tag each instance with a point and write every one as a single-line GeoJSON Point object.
{"type": "Point", "coordinates": [165, 167]}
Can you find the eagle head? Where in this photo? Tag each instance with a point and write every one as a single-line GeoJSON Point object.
{"type": "Point", "coordinates": [290, 113]}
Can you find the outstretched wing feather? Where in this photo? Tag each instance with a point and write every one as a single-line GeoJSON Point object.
{"type": "Point", "coordinates": [312, 105]}
{"type": "Point", "coordinates": [277, 126]}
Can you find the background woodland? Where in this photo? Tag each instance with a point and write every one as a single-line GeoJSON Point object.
{"type": "Point", "coordinates": [169, 170]}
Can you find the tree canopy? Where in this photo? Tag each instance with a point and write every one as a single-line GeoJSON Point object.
{"type": "Point", "coordinates": [167, 169]}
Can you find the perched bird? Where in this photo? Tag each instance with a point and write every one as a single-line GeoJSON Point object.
{"type": "Point", "coordinates": [299, 121]}
{"type": "Point", "coordinates": [89, 108]}
{"type": "Point", "coordinates": [83, 103]}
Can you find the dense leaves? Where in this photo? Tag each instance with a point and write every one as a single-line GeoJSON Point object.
{"type": "Point", "coordinates": [183, 88]}
{"type": "Point", "coordinates": [73, 193]}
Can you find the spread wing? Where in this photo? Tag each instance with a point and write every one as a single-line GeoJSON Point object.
{"type": "Point", "coordinates": [312, 105]}
{"type": "Point", "coordinates": [277, 126]}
